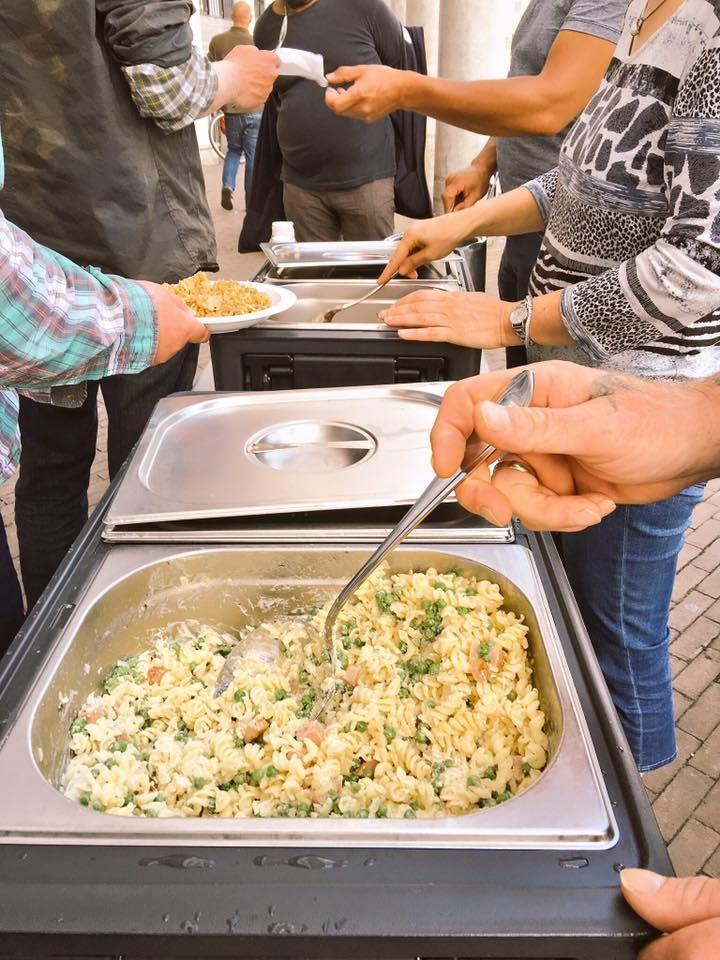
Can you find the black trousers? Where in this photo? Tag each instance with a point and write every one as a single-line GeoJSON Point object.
{"type": "Point", "coordinates": [11, 605]}
{"type": "Point", "coordinates": [58, 449]}
{"type": "Point", "coordinates": [516, 265]}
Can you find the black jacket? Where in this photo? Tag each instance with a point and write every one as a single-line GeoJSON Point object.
{"type": "Point", "coordinates": [85, 174]}
{"type": "Point", "coordinates": [412, 197]}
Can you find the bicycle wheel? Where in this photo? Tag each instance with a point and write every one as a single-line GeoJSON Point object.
{"type": "Point", "coordinates": [217, 137]}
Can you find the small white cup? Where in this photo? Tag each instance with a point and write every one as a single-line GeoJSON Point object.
{"type": "Point", "coordinates": [283, 231]}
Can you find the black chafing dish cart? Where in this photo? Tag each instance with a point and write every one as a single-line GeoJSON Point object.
{"type": "Point", "coordinates": [296, 350]}
{"type": "Point", "coordinates": [231, 502]}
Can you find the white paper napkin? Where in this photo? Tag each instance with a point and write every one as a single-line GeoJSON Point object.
{"type": "Point", "coordinates": [300, 63]}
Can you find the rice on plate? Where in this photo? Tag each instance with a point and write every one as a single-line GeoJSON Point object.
{"type": "Point", "coordinates": [219, 298]}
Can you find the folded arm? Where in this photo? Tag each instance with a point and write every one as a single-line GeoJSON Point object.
{"type": "Point", "coordinates": [170, 82]}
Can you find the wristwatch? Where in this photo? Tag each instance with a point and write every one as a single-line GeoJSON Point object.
{"type": "Point", "coordinates": [520, 320]}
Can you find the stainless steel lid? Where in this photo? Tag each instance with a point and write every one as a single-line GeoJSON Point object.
{"type": "Point", "coordinates": [230, 455]}
{"type": "Point", "coordinates": [294, 256]}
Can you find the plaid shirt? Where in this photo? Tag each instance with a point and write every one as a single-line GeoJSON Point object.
{"type": "Point", "coordinates": [60, 324]}
{"type": "Point", "coordinates": [173, 96]}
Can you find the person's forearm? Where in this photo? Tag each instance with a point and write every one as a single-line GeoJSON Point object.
{"type": "Point", "coordinates": [706, 465]}
{"type": "Point", "coordinates": [506, 215]}
{"type": "Point", "coordinates": [503, 108]}
{"type": "Point", "coordinates": [66, 324]}
{"type": "Point", "coordinates": [226, 84]}
{"type": "Point", "coordinates": [486, 160]}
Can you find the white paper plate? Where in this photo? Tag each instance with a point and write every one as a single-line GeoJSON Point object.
{"type": "Point", "coordinates": [282, 299]}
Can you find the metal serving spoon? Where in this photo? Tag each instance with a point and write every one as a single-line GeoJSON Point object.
{"type": "Point", "coordinates": [330, 315]}
{"type": "Point", "coordinates": [518, 393]}
{"type": "Point", "coordinates": [260, 644]}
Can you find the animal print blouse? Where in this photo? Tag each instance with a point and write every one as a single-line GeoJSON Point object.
{"type": "Point", "coordinates": [633, 208]}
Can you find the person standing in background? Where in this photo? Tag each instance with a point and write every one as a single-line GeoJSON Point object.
{"type": "Point", "coordinates": [102, 165]}
{"type": "Point", "coordinates": [241, 126]}
{"type": "Point", "coordinates": [338, 174]}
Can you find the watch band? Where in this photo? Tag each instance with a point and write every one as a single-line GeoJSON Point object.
{"type": "Point", "coordinates": [520, 320]}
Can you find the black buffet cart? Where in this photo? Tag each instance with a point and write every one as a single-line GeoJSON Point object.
{"type": "Point", "coordinates": [534, 878]}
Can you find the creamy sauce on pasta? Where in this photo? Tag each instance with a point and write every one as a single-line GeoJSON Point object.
{"type": "Point", "coordinates": [435, 714]}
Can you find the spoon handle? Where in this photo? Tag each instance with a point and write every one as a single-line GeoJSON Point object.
{"type": "Point", "coordinates": [517, 393]}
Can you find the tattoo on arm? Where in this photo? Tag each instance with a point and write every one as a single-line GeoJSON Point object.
{"type": "Point", "coordinates": [608, 384]}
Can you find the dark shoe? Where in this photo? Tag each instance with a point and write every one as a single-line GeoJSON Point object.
{"type": "Point", "coordinates": [226, 198]}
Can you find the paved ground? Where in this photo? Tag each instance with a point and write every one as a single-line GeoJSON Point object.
{"type": "Point", "coordinates": [686, 794]}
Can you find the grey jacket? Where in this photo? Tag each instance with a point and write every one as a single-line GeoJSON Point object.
{"type": "Point", "coordinates": [85, 173]}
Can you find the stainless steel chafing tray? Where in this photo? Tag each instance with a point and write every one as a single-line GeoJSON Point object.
{"type": "Point", "coordinates": [367, 253]}
{"type": "Point", "coordinates": [209, 456]}
{"type": "Point", "coordinates": [314, 297]}
{"type": "Point", "coordinates": [141, 588]}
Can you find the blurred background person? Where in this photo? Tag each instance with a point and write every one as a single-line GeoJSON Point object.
{"type": "Point", "coordinates": [99, 101]}
{"type": "Point", "coordinates": [337, 173]}
{"type": "Point", "coordinates": [241, 126]}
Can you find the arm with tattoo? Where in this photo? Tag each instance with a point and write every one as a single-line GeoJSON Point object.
{"type": "Point", "coordinates": [593, 439]}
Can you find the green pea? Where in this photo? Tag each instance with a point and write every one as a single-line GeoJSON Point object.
{"type": "Point", "coordinates": [198, 782]}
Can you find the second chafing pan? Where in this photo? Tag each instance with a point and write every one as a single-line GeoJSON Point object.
{"type": "Point", "coordinates": [139, 589]}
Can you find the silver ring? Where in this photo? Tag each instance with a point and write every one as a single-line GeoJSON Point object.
{"type": "Point", "coordinates": [512, 463]}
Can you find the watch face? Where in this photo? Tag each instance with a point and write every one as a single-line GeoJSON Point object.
{"type": "Point", "coordinates": [518, 319]}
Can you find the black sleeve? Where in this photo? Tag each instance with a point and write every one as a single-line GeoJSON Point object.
{"type": "Point", "coordinates": [147, 31]}
{"type": "Point", "coordinates": [387, 32]}
{"type": "Point", "coordinates": [262, 34]}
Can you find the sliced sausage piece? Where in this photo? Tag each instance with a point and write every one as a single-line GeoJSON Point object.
{"type": "Point", "coordinates": [312, 730]}
{"type": "Point", "coordinates": [256, 728]}
{"type": "Point", "coordinates": [351, 675]}
{"type": "Point", "coordinates": [92, 716]}
{"type": "Point", "coordinates": [479, 668]}
{"type": "Point", "coordinates": [497, 658]}
{"type": "Point", "coordinates": [367, 767]}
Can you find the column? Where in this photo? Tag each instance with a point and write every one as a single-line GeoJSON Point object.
{"type": "Point", "coordinates": [473, 46]}
{"type": "Point", "coordinates": [426, 14]}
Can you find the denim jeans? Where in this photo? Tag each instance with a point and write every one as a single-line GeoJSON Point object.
{"type": "Point", "coordinates": [11, 605]}
{"type": "Point", "coordinates": [241, 133]}
{"type": "Point", "coordinates": [622, 572]}
{"type": "Point", "coordinates": [58, 449]}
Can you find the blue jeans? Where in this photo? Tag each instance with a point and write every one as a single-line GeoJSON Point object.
{"type": "Point", "coordinates": [11, 605]}
{"type": "Point", "coordinates": [58, 449]}
{"type": "Point", "coordinates": [241, 133]}
{"type": "Point", "coordinates": [622, 572]}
